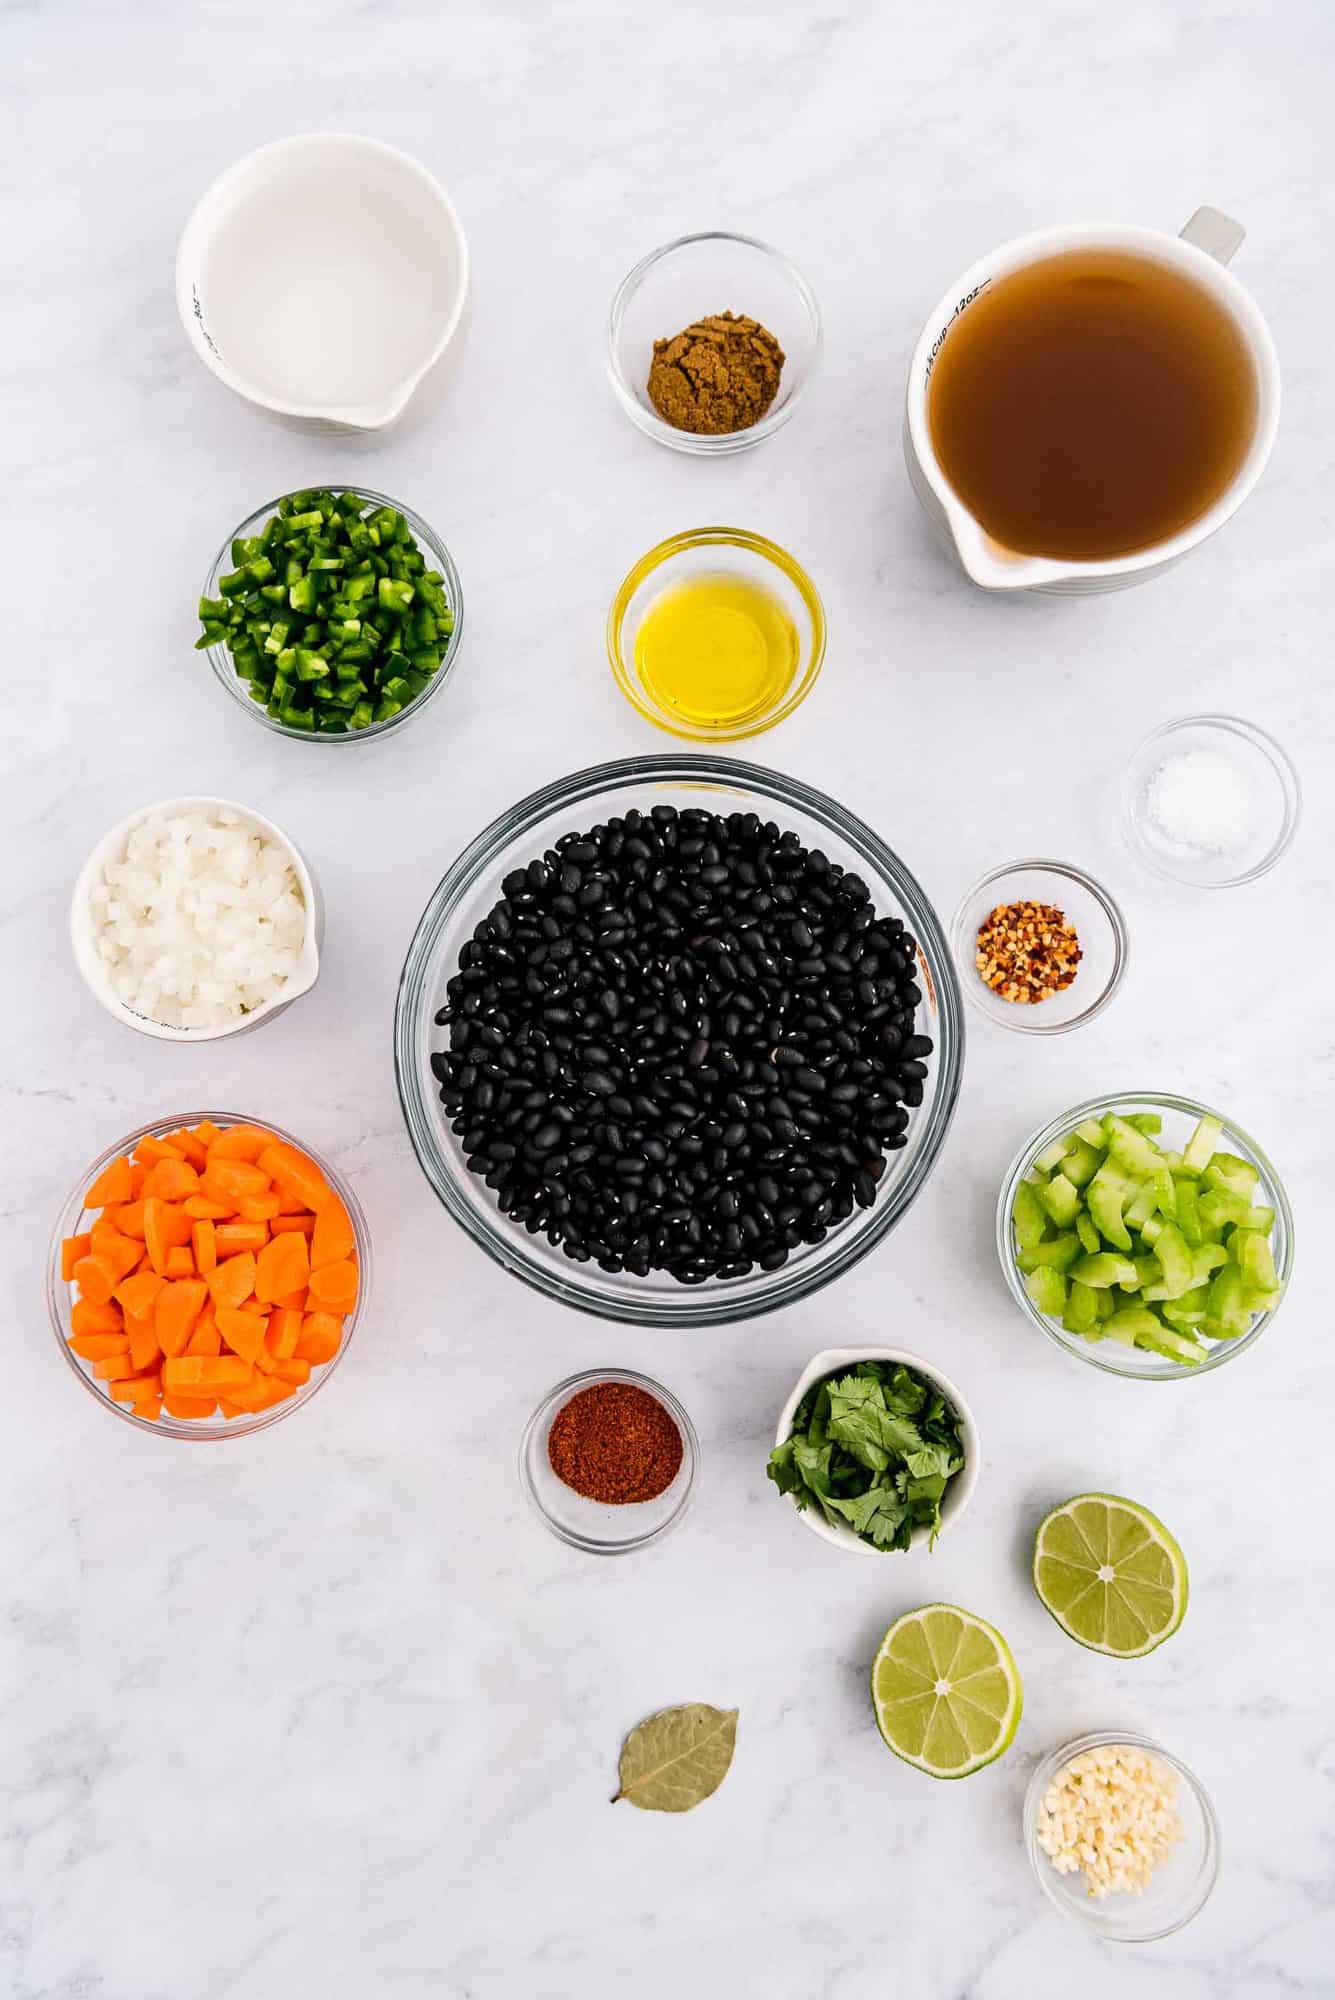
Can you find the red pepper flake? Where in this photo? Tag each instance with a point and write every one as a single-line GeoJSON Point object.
{"type": "Point", "coordinates": [615, 1443]}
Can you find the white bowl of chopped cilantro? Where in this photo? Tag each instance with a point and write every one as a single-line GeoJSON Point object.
{"type": "Point", "coordinates": [877, 1449]}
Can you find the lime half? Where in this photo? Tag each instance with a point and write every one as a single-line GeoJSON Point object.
{"type": "Point", "coordinates": [946, 1690]}
{"type": "Point", "coordinates": [1111, 1574]}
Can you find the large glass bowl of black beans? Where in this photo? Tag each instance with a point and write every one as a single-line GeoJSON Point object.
{"type": "Point", "coordinates": [678, 1040]}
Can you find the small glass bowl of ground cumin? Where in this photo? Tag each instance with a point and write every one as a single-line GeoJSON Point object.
{"type": "Point", "coordinates": [1040, 946]}
{"type": "Point", "coordinates": [712, 282]}
{"type": "Point", "coordinates": [608, 1460]}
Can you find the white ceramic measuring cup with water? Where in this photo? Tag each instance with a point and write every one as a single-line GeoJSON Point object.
{"type": "Point", "coordinates": [1201, 251]}
{"type": "Point", "coordinates": [322, 278]}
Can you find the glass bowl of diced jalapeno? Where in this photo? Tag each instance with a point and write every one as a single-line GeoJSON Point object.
{"type": "Point", "coordinates": [1146, 1234]}
{"type": "Point", "coordinates": [332, 614]}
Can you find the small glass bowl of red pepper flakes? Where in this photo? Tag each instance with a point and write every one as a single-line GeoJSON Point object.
{"type": "Point", "coordinates": [608, 1460]}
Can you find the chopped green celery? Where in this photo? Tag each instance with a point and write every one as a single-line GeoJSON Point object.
{"type": "Point", "coordinates": [1157, 1338]}
{"type": "Point", "coordinates": [1149, 1271]}
{"type": "Point", "coordinates": [1165, 1194]}
{"type": "Point", "coordinates": [1082, 1308]}
{"type": "Point", "coordinates": [1089, 1236]}
{"type": "Point", "coordinates": [1199, 1149]}
{"type": "Point", "coordinates": [1218, 1207]}
{"type": "Point", "coordinates": [1091, 1131]}
{"type": "Point", "coordinates": [1225, 1302]}
{"type": "Point", "coordinates": [1150, 1228]}
{"type": "Point", "coordinates": [1189, 1310]}
{"type": "Point", "coordinates": [1188, 1213]}
{"type": "Point", "coordinates": [1206, 1259]}
{"type": "Point", "coordinates": [1082, 1162]}
{"type": "Point", "coordinates": [1104, 1198]}
{"type": "Point", "coordinates": [1027, 1217]}
{"type": "Point", "coordinates": [1051, 1156]}
{"type": "Point", "coordinates": [1055, 1253]}
{"type": "Point", "coordinates": [1141, 1206]}
{"type": "Point", "coordinates": [1235, 1176]}
{"type": "Point", "coordinates": [1059, 1198]}
{"type": "Point", "coordinates": [1129, 1322]}
{"type": "Point", "coordinates": [1257, 1262]}
{"type": "Point", "coordinates": [1105, 1268]}
{"type": "Point", "coordinates": [1104, 1299]}
{"type": "Point", "coordinates": [1257, 1217]}
{"type": "Point", "coordinates": [1178, 1268]}
{"type": "Point", "coordinates": [1148, 1122]}
{"type": "Point", "coordinates": [1257, 1301]}
{"type": "Point", "coordinates": [1131, 1148]}
{"type": "Point", "coordinates": [1047, 1289]}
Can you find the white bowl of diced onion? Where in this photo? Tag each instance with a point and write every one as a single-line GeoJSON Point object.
{"type": "Point", "coordinates": [195, 919]}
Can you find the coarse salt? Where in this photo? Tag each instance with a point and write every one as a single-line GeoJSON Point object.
{"type": "Point", "coordinates": [201, 919]}
{"type": "Point", "coordinates": [1199, 798]}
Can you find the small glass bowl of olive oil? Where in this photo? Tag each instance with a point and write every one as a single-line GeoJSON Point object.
{"type": "Point", "coordinates": [716, 634]}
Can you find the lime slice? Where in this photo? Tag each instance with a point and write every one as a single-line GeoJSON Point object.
{"type": "Point", "coordinates": [1111, 1574]}
{"type": "Point", "coordinates": [946, 1690]}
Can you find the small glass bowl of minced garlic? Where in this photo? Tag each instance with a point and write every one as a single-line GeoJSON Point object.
{"type": "Point", "coordinates": [738, 291]}
{"type": "Point", "coordinates": [716, 634]}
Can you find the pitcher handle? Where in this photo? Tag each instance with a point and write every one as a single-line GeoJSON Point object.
{"type": "Point", "coordinates": [1217, 234]}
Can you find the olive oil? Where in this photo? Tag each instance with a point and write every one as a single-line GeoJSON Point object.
{"type": "Point", "coordinates": [716, 650]}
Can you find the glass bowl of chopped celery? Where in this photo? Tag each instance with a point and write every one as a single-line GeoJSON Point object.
{"type": "Point", "coordinates": [1149, 1822]}
{"type": "Point", "coordinates": [1147, 1234]}
{"type": "Point", "coordinates": [332, 615]}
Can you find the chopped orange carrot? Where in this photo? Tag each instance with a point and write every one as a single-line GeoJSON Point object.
{"type": "Point", "coordinates": [114, 1367]}
{"type": "Point", "coordinates": [205, 1337]}
{"type": "Point", "coordinates": [121, 1253]}
{"type": "Point", "coordinates": [233, 1237]}
{"type": "Point", "coordinates": [232, 1179]}
{"type": "Point", "coordinates": [138, 1175]}
{"type": "Point", "coordinates": [319, 1339]}
{"type": "Point", "coordinates": [164, 1228]}
{"type": "Point", "coordinates": [135, 1388]}
{"type": "Point", "coordinates": [150, 1150]}
{"type": "Point", "coordinates": [243, 1332]}
{"type": "Point", "coordinates": [97, 1346]}
{"type": "Point", "coordinates": [128, 1217]}
{"type": "Point", "coordinates": [195, 1372]}
{"type": "Point", "coordinates": [188, 1406]}
{"type": "Point", "coordinates": [294, 1174]}
{"type": "Point", "coordinates": [191, 1148]}
{"type": "Point", "coordinates": [137, 1292]}
{"type": "Point", "coordinates": [113, 1184]}
{"type": "Point", "coordinates": [294, 1301]}
{"type": "Point", "coordinates": [284, 1333]}
{"type": "Point", "coordinates": [175, 1311]}
{"type": "Point", "coordinates": [206, 1132]}
{"type": "Point", "coordinates": [145, 1347]}
{"type": "Point", "coordinates": [96, 1280]}
{"type": "Point", "coordinates": [333, 1239]}
{"type": "Point", "coordinates": [240, 1142]}
{"type": "Point", "coordinates": [297, 1370]}
{"type": "Point", "coordinates": [232, 1280]}
{"type": "Point", "coordinates": [172, 1180]}
{"type": "Point", "coordinates": [85, 1317]}
{"type": "Point", "coordinates": [282, 1266]}
{"type": "Point", "coordinates": [258, 1207]}
{"type": "Point", "coordinates": [200, 1209]}
{"type": "Point", "coordinates": [71, 1250]}
{"type": "Point", "coordinates": [180, 1262]}
{"type": "Point", "coordinates": [334, 1286]}
{"type": "Point", "coordinates": [203, 1241]}
{"type": "Point", "coordinates": [283, 1225]}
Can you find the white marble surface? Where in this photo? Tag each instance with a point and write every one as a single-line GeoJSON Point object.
{"type": "Point", "coordinates": [326, 1712]}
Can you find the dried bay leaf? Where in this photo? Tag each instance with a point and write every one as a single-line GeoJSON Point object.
{"type": "Point", "coordinates": [674, 1759]}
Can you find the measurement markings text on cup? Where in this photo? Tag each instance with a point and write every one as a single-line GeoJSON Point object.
{"type": "Point", "coordinates": [940, 340]}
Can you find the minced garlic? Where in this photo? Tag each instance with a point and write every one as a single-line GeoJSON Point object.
{"type": "Point", "coordinates": [1111, 1814]}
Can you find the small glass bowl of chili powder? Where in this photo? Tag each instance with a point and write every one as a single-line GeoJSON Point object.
{"type": "Point", "coordinates": [608, 1460]}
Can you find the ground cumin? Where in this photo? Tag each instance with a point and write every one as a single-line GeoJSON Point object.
{"type": "Point", "coordinates": [721, 374]}
{"type": "Point", "coordinates": [616, 1443]}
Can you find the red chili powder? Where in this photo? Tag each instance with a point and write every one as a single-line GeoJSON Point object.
{"type": "Point", "coordinates": [615, 1443]}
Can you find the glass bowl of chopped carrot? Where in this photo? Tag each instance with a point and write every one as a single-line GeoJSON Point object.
{"type": "Point", "coordinates": [207, 1275]}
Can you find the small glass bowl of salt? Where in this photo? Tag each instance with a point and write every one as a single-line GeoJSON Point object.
{"type": "Point", "coordinates": [1210, 800]}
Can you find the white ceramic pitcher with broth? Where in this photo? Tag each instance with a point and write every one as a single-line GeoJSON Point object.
{"type": "Point", "coordinates": [1201, 254]}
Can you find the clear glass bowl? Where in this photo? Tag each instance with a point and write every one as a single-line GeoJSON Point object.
{"type": "Point", "coordinates": [60, 1294]}
{"type": "Point", "coordinates": [472, 886]}
{"type": "Point", "coordinates": [687, 280]}
{"type": "Point", "coordinates": [438, 557]}
{"type": "Point", "coordinates": [591, 1525]}
{"type": "Point", "coordinates": [711, 551]}
{"type": "Point", "coordinates": [1179, 1886]}
{"type": "Point", "coordinates": [1260, 767]}
{"type": "Point", "coordinates": [1099, 924]}
{"type": "Point", "coordinates": [1179, 1117]}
